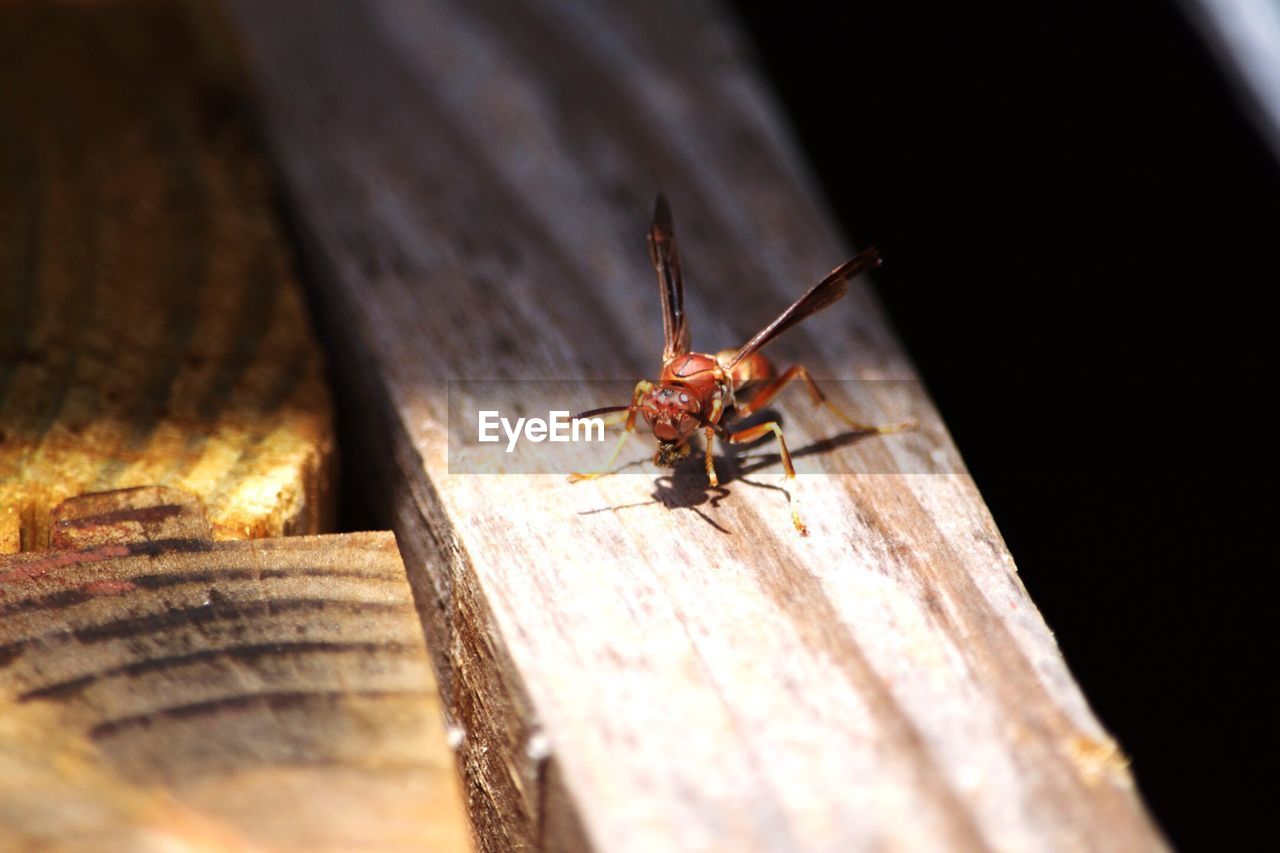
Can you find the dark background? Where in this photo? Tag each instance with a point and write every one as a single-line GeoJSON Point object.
{"type": "Point", "coordinates": [1077, 221]}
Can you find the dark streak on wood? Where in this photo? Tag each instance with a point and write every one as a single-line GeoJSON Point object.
{"type": "Point", "coordinates": [147, 515]}
{"type": "Point", "coordinates": [162, 546]}
{"type": "Point", "coordinates": [221, 610]}
{"type": "Point", "coordinates": [78, 595]}
{"type": "Point", "coordinates": [250, 653]}
{"type": "Point", "coordinates": [268, 701]}
{"type": "Point", "coordinates": [52, 601]}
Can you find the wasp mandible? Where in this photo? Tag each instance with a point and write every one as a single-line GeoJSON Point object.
{"type": "Point", "coordinates": [700, 392]}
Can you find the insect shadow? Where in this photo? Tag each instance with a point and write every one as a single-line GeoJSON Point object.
{"type": "Point", "coordinates": [686, 486]}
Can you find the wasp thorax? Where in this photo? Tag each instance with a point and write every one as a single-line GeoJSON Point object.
{"type": "Point", "coordinates": [670, 411]}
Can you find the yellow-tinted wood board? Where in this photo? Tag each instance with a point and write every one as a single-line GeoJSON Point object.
{"type": "Point", "coordinates": [159, 690]}
{"type": "Point", "coordinates": [151, 327]}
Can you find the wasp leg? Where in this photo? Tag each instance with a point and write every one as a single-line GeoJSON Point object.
{"type": "Point", "coordinates": [767, 393]}
{"type": "Point", "coordinates": [713, 418]}
{"type": "Point", "coordinates": [711, 462]}
{"type": "Point", "coordinates": [644, 386]}
{"type": "Point", "coordinates": [614, 419]}
{"type": "Point", "coordinates": [749, 435]}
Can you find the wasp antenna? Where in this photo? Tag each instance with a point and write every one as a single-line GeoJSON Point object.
{"type": "Point", "coordinates": [606, 410]}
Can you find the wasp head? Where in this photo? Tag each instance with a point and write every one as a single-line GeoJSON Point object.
{"type": "Point", "coordinates": [671, 411]}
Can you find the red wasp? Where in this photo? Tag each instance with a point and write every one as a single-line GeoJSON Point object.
{"type": "Point", "coordinates": [697, 391]}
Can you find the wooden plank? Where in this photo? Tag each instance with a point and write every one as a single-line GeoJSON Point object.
{"type": "Point", "coordinates": [151, 327]}
{"type": "Point", "coordinates": [473, 182]}
{"type": "Point", "coordinates": [160, 689]}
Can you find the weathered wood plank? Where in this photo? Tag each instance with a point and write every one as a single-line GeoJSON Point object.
{"type": "Point", "coordinates": [473, 182]}
{"type": "Point", "coordinates": [158, 688]}
{"type": "Point", "coordinates": [151, 327]}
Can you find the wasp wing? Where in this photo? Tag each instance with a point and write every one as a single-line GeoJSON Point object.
{"type": "Point", "coordinates": [662, 249]}
{"type": "Point", "coordinates": [822, 294]}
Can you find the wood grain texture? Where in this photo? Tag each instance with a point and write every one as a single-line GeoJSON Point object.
{"type": "Point", "coordinates": [151, 326]}
{"type": "Point", "coordinates": [162, 691]}
{"type": "Point", "coordinates": [473, 182]}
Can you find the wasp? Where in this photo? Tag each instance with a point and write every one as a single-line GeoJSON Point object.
{"type": "Point", "coordinates": [700, 392]}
